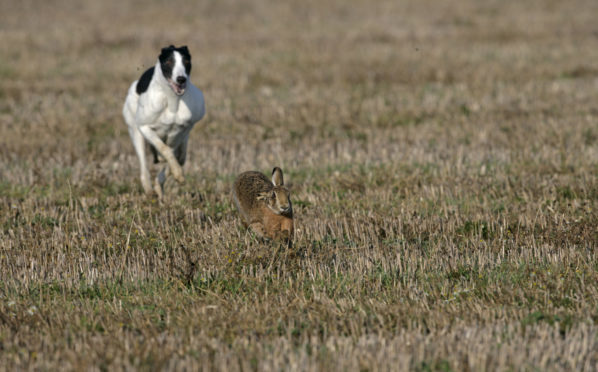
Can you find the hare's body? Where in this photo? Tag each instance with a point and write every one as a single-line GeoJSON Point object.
{"type": "Point", "coordinates": [264, 205]}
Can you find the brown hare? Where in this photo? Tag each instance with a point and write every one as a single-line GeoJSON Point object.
{"type": "Point", "coordinates": [264, 205]}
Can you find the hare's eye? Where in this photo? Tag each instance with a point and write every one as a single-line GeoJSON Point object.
{"type": "Point", "coordinates": [273, 195]}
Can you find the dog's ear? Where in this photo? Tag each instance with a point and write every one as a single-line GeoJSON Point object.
{"type": "Point", "coordinates": [167, 49]}
{"type": "Point", "coordinates": [165, 53]}
{"type": "Point", "coordinates": [184, 51]}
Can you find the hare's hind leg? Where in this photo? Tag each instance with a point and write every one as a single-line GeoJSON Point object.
{"type": "Point", "coordinates": [258, 228]}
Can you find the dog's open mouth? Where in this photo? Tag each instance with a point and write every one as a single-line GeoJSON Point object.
{"type": "Point", "coordinates": [179, 89]}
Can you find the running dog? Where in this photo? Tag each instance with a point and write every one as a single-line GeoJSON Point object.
{"type": "Point", "coordinates": [160, 109]}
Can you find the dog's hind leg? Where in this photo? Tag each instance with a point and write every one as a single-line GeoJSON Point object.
{"type": "Point", "coordinates": [139, 144]}
{"type": "Point", "coordinates": [166, 152]}
{"type": "Point", "coordinates": [160, 180]}
{"type": "Point", "coordinates": [181, 152]}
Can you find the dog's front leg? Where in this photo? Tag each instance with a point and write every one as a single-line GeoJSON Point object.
{"type": "Point", "coordinates": [165, 151]}
{"type": "Point", "coordinates": [139, 144]}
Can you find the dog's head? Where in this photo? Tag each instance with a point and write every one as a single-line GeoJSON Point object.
{"type": "Point", "coordinates": [176, 67]}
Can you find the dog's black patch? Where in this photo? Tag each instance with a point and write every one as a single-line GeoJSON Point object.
{"type": "Point", "coordinates": [186, 58]}
{"type": "Point", "coordinates": [167, 60]}
{"type": "Point", "coordinates": [144, 80]}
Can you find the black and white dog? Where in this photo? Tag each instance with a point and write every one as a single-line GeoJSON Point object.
{"type": "Point", "coordinates": [160, 109]}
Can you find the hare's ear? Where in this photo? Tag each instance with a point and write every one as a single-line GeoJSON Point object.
{"type": "Point", "coordinates": [263, 196]}
{"type": "Point", "coordinates": [277, 177]}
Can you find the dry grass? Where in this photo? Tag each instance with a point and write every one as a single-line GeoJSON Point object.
{"type": "Point", "coordinates": [444, 166]}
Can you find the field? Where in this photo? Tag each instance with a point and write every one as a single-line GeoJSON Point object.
{"type": "Point", "coordinates": [443, 162]}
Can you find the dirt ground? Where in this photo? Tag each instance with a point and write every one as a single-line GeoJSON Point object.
{"type": "Point", "coordinates": [443, 162]}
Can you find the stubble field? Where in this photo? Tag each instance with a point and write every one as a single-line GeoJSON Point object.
{"type": "Point", "coordinates": [443, 161]}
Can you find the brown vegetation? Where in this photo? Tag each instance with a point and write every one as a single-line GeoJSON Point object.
{"type": "Point", "coordinates": [443, 158]}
